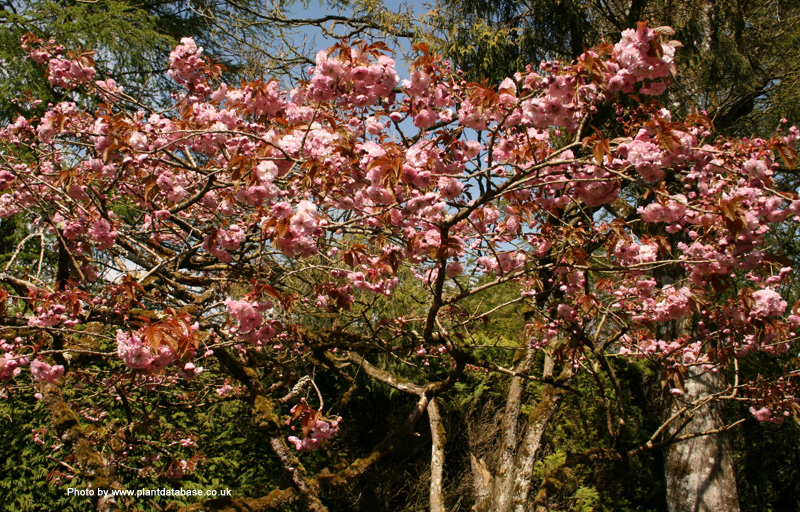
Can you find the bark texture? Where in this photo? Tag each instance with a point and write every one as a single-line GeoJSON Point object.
{"type": "Point", "coordinates": [699, 471]}
{"type": "Point", "coordinates": [438, 440]}
{"type": "Point", "coordinates": [505, 484]}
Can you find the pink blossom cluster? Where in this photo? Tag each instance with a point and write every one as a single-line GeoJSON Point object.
{"type": "Point", "coordinates": [42, 371]}
{"type": "Point", "coordinates": [170, 185]}
{"type": "Point", "coordinates": [109, 90]}
{"type": "Point", "coordinates": [641, 56]}
{"type": "Point", "coordinates": [768, 343]}
{"type": "Point", "coordinates": [635, 253]}
{"type": "Point", "coordinates": [319, 432]}
{"type": "Point", "coordinates": [505, 262]}
{"type": "Point", "coordinates": [189, 371]}
{"type": "Point", "coordinates": [222, 242]}
{"type": "Point", "coordinates": [304, 225]}
{"type": "Point", "coordinates": [69, 73]}
{"type": "Point", "coordinates": [775, 400]}
{"type": "Point", "coordinates": [706, 260]}
{"type": "Point", "coordinates": [186, 63]}
{"type": "Point", "coordinates": [541, 112]}
{"type": "Point", "coordinates": [266, 100]}
{"type": "Point", "coordinates": [263, 188]}
{"type": "Point", "coordinates": [761, 414]}
{"type": "Point", "coordinates": [49, 316]}
{"type": "Point", "coordinates": [670, 212]}
{"type": "Point", "coordinates": [359, 280]}
{"type": "Point", "coordinates": [646, 157]}
{"type": "Point", "coordinates": [57, 308]}
{"type": "Point", "coordinates": [12, 132]}
{"type": "Point", "coordinates": [666, 304]}
{"type": "Point", "coordinates": [680, 351]}
{"type": "Point", "coordinates": [10, 366]}
{"type": "Point", "coordinates": [137, 354]}
{"type": "Point", "coordinates": [102, 233]}
{"type": "Point", "coordinates": [596, 187]}
{"type": "Point", "coordinates": [768, 302]}
{"type": "Point", "coordinates": [100, 230]}
{"type": "Point", "coordinates": [251, 328]}
{"type": "Point", "coordinates": [352, 77]}
{"type": "Point", "coordinates": [49, 125]}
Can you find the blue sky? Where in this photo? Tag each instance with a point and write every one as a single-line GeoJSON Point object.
{"type": "Point", "coordinates": [317, 9]}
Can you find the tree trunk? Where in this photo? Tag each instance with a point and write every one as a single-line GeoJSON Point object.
{"type": "Point", "coordinates": [438, 440]}
{"type": "Point", "coordinates": [507, 490]}
{"type": "Point", "coordinates": [505, 486]}
{"type": "Point", "coordinates": [699, 471]}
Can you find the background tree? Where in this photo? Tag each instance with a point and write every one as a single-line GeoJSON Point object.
{"type": "Point", "coordinates": [737, 61]}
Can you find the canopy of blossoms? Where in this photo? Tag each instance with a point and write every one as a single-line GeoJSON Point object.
{"type": "Point", "coordinates": [222, 227]}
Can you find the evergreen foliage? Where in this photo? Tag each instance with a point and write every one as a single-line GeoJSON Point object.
{"type": "Point", "coordinates": [739, 60]}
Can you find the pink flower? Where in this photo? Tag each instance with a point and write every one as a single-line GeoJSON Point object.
{"type": "Point", "coordinates": [450, 188]}
{"type": "Point", "coordinates": [138, 141]}
{"type": "Point", "coordinates": [675, 304]}
{"type": "Point", "coordinates": [762, 414]}
{"type": "Point", "coordinates": [567, 312]}
{"type": "Point", "coordinates": [9, 367]}
{"type": "Point", "coordinates": [596, 192]}
{"type": "Point", "coordinates": [646, 157]}
{"type": "Point", "coordinates": [768, 303]}
{"type": "Point", "coordinates": [43, 371]}
{"type": "Point", "coordinates": [133, 351]}
{"type": "Point", "coordinates": [108, 90]}
{"type": "Point", "coordinates": [454, 269]}
{"type": "Point", "coordinates": [322, 430]}
{"type": "Point", "coordinates": [648, 253]}
{"type": "Point", "coordinates": [471, 117]}
{"type": "Point", "coordinates": [756, 169]}
{"type": "Point", "coordinates": [425, 119]}
{"type": "Point", "coordinates": [224, 390]}
{"type": "Point", "coordinates": [244, 312]}
{"type": "Point", "coordinates": [471, 149]}
{"type": "Point", "coordinates": [636, 59]}
{"type": "Point", "coordinates": [190, 371]}
{"type": "Point", "coordinates": [46, 129]}
{"type": "Point", "coordinates": [102, 233]}
{"type": "Point", "coordinates": [6, 179]}
{"type": "Point", "coordinates": [68, 73]}
{"type": "Point", "coordinates": [304, 445]}
{"type": "Point", "coordinates": [186, 62]}
{"type": "Point", "coordinates": [282, 210]}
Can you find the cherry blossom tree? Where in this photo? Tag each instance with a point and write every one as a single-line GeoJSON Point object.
{"type": "Point", "coordinates": [252, 237]}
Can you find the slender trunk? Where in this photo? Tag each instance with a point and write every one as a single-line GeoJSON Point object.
{"type": "Point", "coordinates": [486, 480]}
{"type": "Point", "coordinates": [506, 489]}
{"type": "Point", "coordinates": [699, 471]}
{"type": "Point", "coordinates": [539, 420]}
{"type": "Point", "coordinates": [438, 440]}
